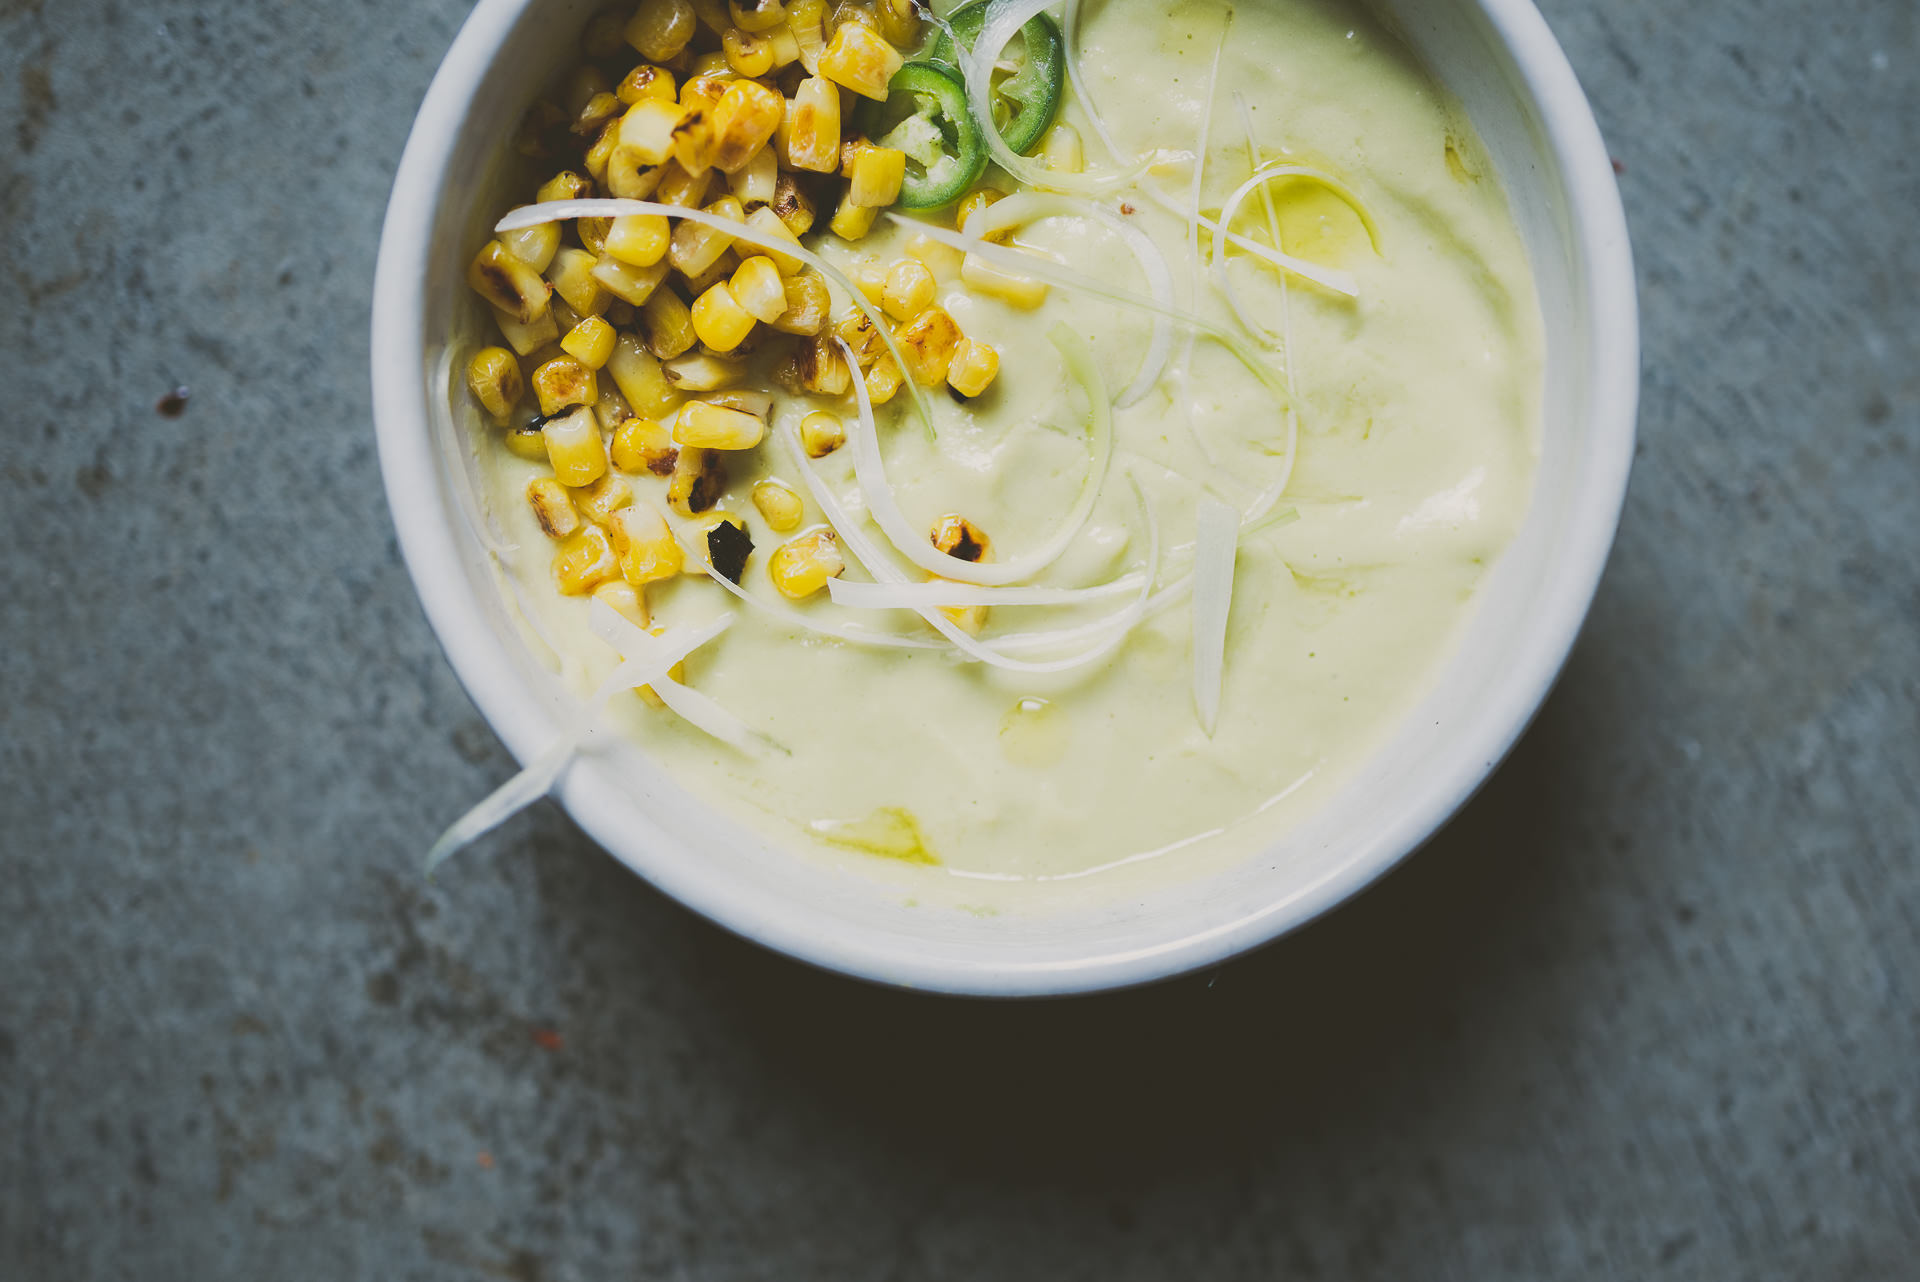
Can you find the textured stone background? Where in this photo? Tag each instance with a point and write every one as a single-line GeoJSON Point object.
{"type": "Point", "coordinates": [1647, 1010]}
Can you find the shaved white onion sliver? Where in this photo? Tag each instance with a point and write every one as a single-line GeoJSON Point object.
{"type": "Point", "coordinates": [1215, 544]}
{"type": "Point", "coordinates": [1340, 282]}
{"type": "Point", "coordinates": [533, 782]}
{"type": "Point", "coordinates": [1268, 173]}
{"type": "Point", "coordinates": [1069, 32]}
{"type": "Point", "coordinates": [1028, 206]}
{"type": "Point", "coordinates": [940, 592]}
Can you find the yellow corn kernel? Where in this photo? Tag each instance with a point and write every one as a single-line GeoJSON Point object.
{"type": "Point", "coordinates": [884, 380]}
{"type": "Point", "coordinates": [611, 409]}
{"type": "Point", "coordinates": [813, 366]}
{"type": "Point", "coordinates": [630, 178]}
{"type": "Point", "coordinates": [821, 434]}
{"type": "Point", "coordinates": [590, 342]}
{"type": "Point", "coordinates": [956, 536]}
{"type": "Point", "coordinates": [746, 53]}
{"type": "Point", "coordinates": [693, 137]}
{"type": "Point", "coordinates": [802, 565]}
{"type": "Point", "coordinates": [767, 223]}
{"type": "Point", "coordinates": [909, 289]}
{"type": "Point", "coordinates": [701, 372]}
{"type": "Point", "coordinates": [898, 22]}
{"type": "Point", "coordinates": [757, 287]}
{"type": "Point", "coordinates": [585, 83]}
{"type": "Point", "coordinates": [719, 320]}
{"type": "Point", "coordinates": [807, 305]}
{"type": "Point", "coordinates": [974, 201]}
{"type": "Point", "coordinates": [753, 183]}
{"type": "Point", "coordinates": [1021, 291]}
{"type": "Point", "coordinates": [973, 368]}
{"type": "Point", "coordinates": [643, 445]}
{"type": "Point", "coordinates": [564, 319]}
{"type": "Point", "coordinates": [600, 155]}
{"type": "Point", "coordinates": [707, 83]}
{"type": "Point", "coordinates": [851, 221]}
{"type": "Point", "coordinates": [1061, 150]}
{"type": "Point", "coordinates": [783, 46]}
{"type": "Point", "coordinates": [552, 507]}
{"type": "Point", "coordinates": [660, 29]}
{"type": "Point", "coordinates": [714, 427]}
{"type": "Point", "coordinates": [636, 372]}
{"type": "Point", "coordinates": [861, 59]}
{"type": "Point", "coordinates": [743, 121]}
{"type": "Point", "coordinates": [630, 284]}
{"type": "Point", "coordinates": [572, 277]}
{"type": "Point", "coordinates": [678, 187]}
{"type": "Point", "coordinates": [668, 324]}
{"type": "Point", "coordinates": [927, 343]}
{"type": "Point", "coordinates": [535, 246]}
{"type": "Point", "coordinates": [603, 498]}
{"type": "Point", "coordinates": [811, 127]}
{"type": "Point", "coordinates": [942, 260]}
{"type": "Point", "coordinates": [699, 478]}
{"type": "Point", "coordinates": [713, 15]}
{"type": "Point", "coordinates": [874, 174]}
{"type": "Point", "coordinates": [639, 239]}
{"type": "Point", "coordinates": [779, 506]}
{"type": "Point", "coordinates": [721, 268]}
{"type": "Point", "coordinates": [564, 381]}
{"type": "Point", "coordinates": [806, 19]}
{"type": "Point", "coordinates": [593, 233]}
{"type": "Point", "coordinates": [647, 550]}
{"type": "Point", "coordinates": [647, 129]}
{"type": "Point", "coordinates": [565, 185]}
{"type": "Point", "coordinates": [509, 284]}
{"type": "Point", "coordinates": [574, 447]}
{"type": "Point", "coordinates": [757, 15]}
{"type": "Point", "coordinates": [694, 248]}
{"type": "Point", "coordinates": [792, 205]}
{"type": "Point", "coordinates": [627, 601]}
{"type": "Point", "coordinates": [863, 336]}
{"type": "Point", "coordinates": [527, 442]}
{"type": "Point", "coordinates": [494, 376]}
{"type": "Point", "coordinates": [593, 117]}
{"type": "Point", "coordinates": [646, 81]}
{"type": "Point", "coordinates": [584, 562]}
{"type": "Point", "coordinates": [869, 276]}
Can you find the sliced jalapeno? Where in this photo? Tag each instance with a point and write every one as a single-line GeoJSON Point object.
{"type": "Point", "coordinates": [1031, 95]}
{"type": "Point", "coordinates": [925, 115]}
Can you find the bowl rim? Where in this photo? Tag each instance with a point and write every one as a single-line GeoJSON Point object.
{"type": "Point", "coordinates": [427, 529]}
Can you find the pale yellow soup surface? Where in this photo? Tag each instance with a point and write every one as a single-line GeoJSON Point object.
{"type": "Point", "coordinates": [1417, 446]}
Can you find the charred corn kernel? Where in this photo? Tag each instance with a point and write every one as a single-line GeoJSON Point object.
{"type": "Point", "coordinates": [494, 376]}
{"type": "Point", "coordinates": [754, 181]}
{"type": "Point", "coordinates": [695, 247]}
{"type": "Point", "coordinates": [898, 22]}
{"type": "Point", "coordinates": [572, 277]}
{"type": "Point", "coordinates": [552, 507]}
{"type": "Point", "coordinates": [639, 239]}
{"type": "Point", "coordinates": [909, 289]}
{"type": "Point", "coordinates": [593, 117]}
{"type": "Point", "coordinates": [808, 303]}
{"type": "Point", "coordinates": [715, 427]}
{"type": "Point", "coordinates": [1061, 151]}
{"type": "Point", "coordinates": [759, 404]}
{"type": "Point", "coordinates": [611, 409]}
{"type": "Point", "coordinates": [1021, 291]}
{"type": "Point", "coordinates": [647, 129]}
{"type": "Point", "coordinates": [647, 550]}
{"type": "Point", "coordinates": [678, 187]}
{"type": "Point", "coordinates": [637, 373]}
{"type": "Point", "coordinates": [584, 562]}
{"type": "Point", "coordinates": [603, 498]}
{"type": "Point", "coordinates": [801, 566]}
{"type": "Point", "coordinates": [815, 366]}
{"type": "Point", "coordinates": [526, 339]}
{"type": "Point", "coordinates": [730, 557]}
{"type": "Point", "coordinates": [757, 287]}
{"type": "Point", "coordinates": [600, 155]}
{"type": "Point", "coordinates": [701, 372]}
{"type": "Point", "coordinates": [574, 447]}
{"type": "Point", "coordinates": [792, 205]}
{"type": "Point", "coordinates": [757, 15]}
{"type": "Point", "coordinates": [973, 368]}
{"type": "Point", "coordinates": [746, 53]}
{"type": "Point", "coordinates": [927, 343]}
{"type": "Point", "coordinates": [851, 221]}
{"type": "Point", "coordinates": [693, 137]}
{"type": "Point", "coordinates": [783, 46]}
{"type": "Point", "coordinates": [812, 126]}
{"type": "Point", "coordinates": [958, 537]}
{"type": "Point", "coordinates": [884, 380]}
{"type": "Point", "coordinates": [821, 434]}
{"type": "Point", "coordinates": [590, 342]}
{"type": "Point", "coordinates": [534, 246]}
{"type": "Point", "coordinates": [602, 41]}
{"type": "Point", "coordinates": [630, 284]}
{"type": "Point", "coordinates": [593, 233]}
{"type": "Point", "coordinates": [630, 178]}
{"type": "Point", "coordinates": [779, 506]}
{"type": "Point", "coordinates": [869, 276]}
{"type": "Point", "coordinates": [528, 442]}
{"type": "Point", "coordinates": [698, 479]}
{"type": "Point", "coordinates": [768, 223]}
{"type": "Point", "coordinates": [707, 83]}
{"type": "Point", "coordinates": [721, 268]}
{"type": "Point", "coordinates": [668, 324]}
{"type": "Point", "coordinates": [647, 81]}
{"type": "Point", "coordinates": [719, 320]}
{"type": "Point", "coordinates": [806, 19]}
{"type": "Point", "coordinates": [659, 29]}
{"type": "Point", "coordinates": [974, 201]}
{"type": "Point", "coordinates": [743, 121]}
{"type": "Point", "coordinates": [942, 260]}
{"type": "Point", "coordinates": [643, 445]}
{"type": "Point", "coordinates": [863, 336]}
{"type": "Point", "coordinates": [564, 381]}
{"type": "Point", "coordinates": [874, 174]}
{"type": "Point", "coordinates": [509, 284]}
{"type": "Point", "coordinates": [565, 185]}
{"type": "Point", "coordinates": [626, 600]}
{"type": "Point", "coordinates": [861, 59]}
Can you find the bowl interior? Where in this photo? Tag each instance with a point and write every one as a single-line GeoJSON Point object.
{"type": "Point", "coordinates": [1497, 57]}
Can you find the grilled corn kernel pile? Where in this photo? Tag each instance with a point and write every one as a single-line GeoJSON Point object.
{"type": "Point", "coordinates": [637, 354]}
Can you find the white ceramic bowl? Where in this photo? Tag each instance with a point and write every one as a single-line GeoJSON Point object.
{"type": "Point", "coordinates": [1501, 61]}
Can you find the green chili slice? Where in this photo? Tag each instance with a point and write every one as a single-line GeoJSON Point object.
{"type": "Point", "coordinates": [925, 115]}
{"type": "Point", "coordinates": [1031, 95]}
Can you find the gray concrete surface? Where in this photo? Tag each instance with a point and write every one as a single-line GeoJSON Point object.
{"type": "Point", "coordinates": [1649, 1009]}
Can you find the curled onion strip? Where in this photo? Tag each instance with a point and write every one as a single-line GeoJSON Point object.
{"type": "Point", "coordinates": [1340, 282]}
{"type": "Point", "coordinates": [1069, 32]}
{"type": "Point", "coordinates": [1271, 172]}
